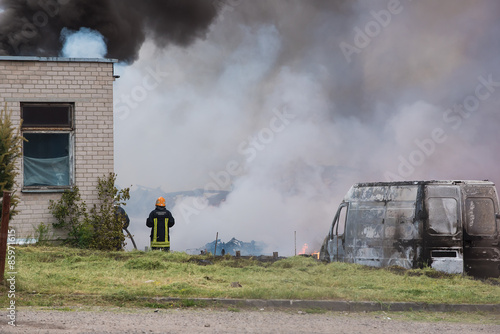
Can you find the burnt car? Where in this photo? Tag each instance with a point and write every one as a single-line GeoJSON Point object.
{"type": "Point", "coordinates": [451, 226]}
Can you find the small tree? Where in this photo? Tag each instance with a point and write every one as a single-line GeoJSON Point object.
{"type": "Point", "coordinates": [107, 224]}
{"type": "Point", "coordinates": [10, 151]}
{"type": "Point", "coordinates": [72, 216]}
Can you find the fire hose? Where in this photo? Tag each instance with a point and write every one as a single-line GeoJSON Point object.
{"type": "Point", "coordinates": [121, 214]}
{"type": "Point", "coordinates": [131, 238]}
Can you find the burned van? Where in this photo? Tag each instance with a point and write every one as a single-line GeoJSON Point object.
{"type": "Point", "coordinates": [451, 226]}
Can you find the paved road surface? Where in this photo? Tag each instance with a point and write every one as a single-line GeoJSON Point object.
{"type": "Point", "coordinates": [222, 321]}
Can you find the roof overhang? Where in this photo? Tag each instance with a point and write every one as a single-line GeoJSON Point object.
{"type": "Point", "coordinates": [58, 59]}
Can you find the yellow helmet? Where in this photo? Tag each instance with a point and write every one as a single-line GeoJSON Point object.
{"type": "Point", "coordinates": [160, 201]}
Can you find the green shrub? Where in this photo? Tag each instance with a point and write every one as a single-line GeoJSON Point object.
{"type": "Point", "coordinates": [72, 217]}
{"type": "Point", "coordinates": [100, 228]}
{"type": "Point", "coordinates": [42, 235]}
{"type": "Point", "coordinates": [10, 151]}
{"type": "Point", "coordinates": [107, 225]}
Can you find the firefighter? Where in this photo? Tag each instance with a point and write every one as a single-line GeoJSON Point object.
{"type": "Point", "coordinates": [160, 220]}
{"type": "Point", "coordinates": [122, 215]}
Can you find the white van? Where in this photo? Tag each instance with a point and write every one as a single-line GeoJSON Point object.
{"type": "Point", "coordinates": [451, 226]}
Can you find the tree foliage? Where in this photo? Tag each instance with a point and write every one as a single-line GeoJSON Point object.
{"type": "Point", "coordinates": [10, 150]}
{"type": "Point", "coordinates": [107, 224]}
{"type": "Point", "coordinates": [72, 217]}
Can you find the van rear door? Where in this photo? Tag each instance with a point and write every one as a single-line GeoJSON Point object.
{"type": "Point", "coordinates": [443, 249]}
{"type": "Point", "coordinates": [481, 235]}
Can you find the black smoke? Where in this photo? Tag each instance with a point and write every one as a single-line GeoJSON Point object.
{"type": "Point", "coordinates": [33, 27]}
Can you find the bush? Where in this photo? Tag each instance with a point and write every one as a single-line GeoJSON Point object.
{"type": "Point", "coordinates": [42, 235]}
{"type": "Point", "coordinates": [100, 228]}
{"type": "Point", "coordinates": [10, 151]}
{"type": "Point", "coordinates": [72, 217]}
{"type": "Point", "coordinates": [107, 224]}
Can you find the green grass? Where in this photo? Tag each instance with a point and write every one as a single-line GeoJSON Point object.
{"type": "Point", "coordinates": [59, 276]}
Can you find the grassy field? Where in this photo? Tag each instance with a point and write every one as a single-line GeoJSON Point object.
{"type": "Point", "coordinates": [59, 276]}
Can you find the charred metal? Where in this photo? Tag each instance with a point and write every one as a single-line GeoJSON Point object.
{"type": "Point", "coordinates": [451, 226]}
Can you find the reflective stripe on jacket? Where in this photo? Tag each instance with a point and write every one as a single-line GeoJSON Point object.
{"type": "Point", "coordinates": [160, 233]}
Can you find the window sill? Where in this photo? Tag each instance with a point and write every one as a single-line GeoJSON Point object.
{"type": "Point", "coordinates": [45, 190]}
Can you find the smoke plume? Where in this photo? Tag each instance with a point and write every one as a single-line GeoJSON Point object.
{"type": "Point", "coordinates": [33, 28]}
{"type": "Point", "coordinates": [84, 43]}
{"type": "Point", "coordinates": [288, 103]}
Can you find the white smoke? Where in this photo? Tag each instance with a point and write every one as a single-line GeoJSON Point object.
{"type": "Point", "coordinates": [268, 107]}
{"type": "Point", "coordinates": [84, 43]}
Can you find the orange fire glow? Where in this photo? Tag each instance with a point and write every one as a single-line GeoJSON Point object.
{"type": "Point", "coordinates": [304, 250]}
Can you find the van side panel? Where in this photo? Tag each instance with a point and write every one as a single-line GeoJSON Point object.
{"type": "Point", "coordinates": [364, 233]}
{"type": "Point", "coordinates": [381, 229]}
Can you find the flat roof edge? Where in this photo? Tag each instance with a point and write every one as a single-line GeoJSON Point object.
{"type": "Point", "coordinates": [60, 59]}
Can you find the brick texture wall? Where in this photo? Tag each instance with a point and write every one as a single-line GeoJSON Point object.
{"type": "Point", "coordinates": [89, 85]}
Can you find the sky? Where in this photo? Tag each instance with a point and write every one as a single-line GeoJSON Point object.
{"type": "Point", "coordinates": [288, 103]}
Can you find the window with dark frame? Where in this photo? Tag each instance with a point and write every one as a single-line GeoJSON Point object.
{"type": "Point", "coordinates": [47, 151]}
{"type": "Point", "coordinates": [443, 215]}
{"type": "Point", "coordinates": [46, 115]}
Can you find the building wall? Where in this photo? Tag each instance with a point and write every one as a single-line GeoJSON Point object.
{"type": "Point", "coordinates": [89, 85]}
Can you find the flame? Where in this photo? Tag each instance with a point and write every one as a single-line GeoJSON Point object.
{"type": "Point", "coordinates": [313, 254]}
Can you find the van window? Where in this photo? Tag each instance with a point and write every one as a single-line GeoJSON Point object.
{"type": "Point", "coordinates": [443, 215]}
{"type": "Point", "coordinates": [341, 223]}
{"type": "Point", "coordinates": [338, 226]}
{"type": "Point", "coordinates": [480, 216]}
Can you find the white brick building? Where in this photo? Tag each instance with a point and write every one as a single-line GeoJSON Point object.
{"type": "Point", "coordinates": [67, 111]}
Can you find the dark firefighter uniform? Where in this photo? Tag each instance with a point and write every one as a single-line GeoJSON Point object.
{"type": "Point", "coordinates": [160, 220]}
{"type": "Point", "coordinates": [121, 214]}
